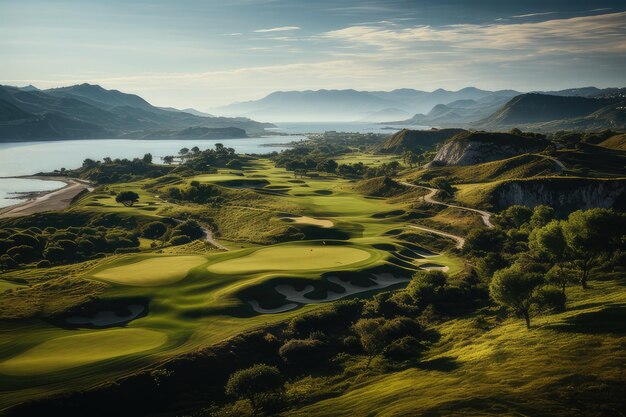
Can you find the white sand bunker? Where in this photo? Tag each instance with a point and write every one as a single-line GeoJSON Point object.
{"type": "Point", "coordinates": [434, 267]}
{"type": "Point", "coordinates": [108, 318]}
{"type": "Point", "coordinates": [299, 296]}
{"type": "Point", "coordinates": [325, 223]}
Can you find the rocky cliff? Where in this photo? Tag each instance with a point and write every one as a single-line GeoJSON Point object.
{"type": "Point", "coordinates": [564, 194]}
{"type": "Point", "coordinates": [480, 147]}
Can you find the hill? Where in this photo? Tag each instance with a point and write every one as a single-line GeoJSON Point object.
{"type": "Point", "coordinates": [534, 109]}
{"type": "Point", "coordinates": [471, 148]}
{"type": "Point", "coordinates": [415, 140]}
{"type": "Point", "coordinates": [617, 142]}
{"type": "Point", "coordinates": [90, 111]}
{"type": "Point", "coordinates": [343, 105]}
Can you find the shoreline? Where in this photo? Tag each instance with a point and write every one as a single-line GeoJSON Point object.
{"type": "Point", "coordinates": [40, 201]}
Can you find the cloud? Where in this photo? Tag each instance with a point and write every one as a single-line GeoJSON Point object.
{"type": "Point", "coordinates": [520, 16]}
{"type": "Point", "coordinates": [278, 29]}
{"type": "Point", "coordinates": [599, 33]}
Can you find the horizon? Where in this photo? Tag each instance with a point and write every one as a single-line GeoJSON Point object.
{"type": "Point", "coordinates": [205, 55]}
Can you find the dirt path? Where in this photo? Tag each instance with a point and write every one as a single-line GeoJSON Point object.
{"type": "Point", "coordinates": [48, 200]}
{"type": "Point", "coordinates": [460, 241]}
{"type": "Point", "coordinates": [208, 236]}
{"type": "Point", "coordinates": [484, 215]}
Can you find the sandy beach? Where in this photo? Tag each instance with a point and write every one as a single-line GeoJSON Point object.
{"type": "Point", "coordinates": [47, 200]}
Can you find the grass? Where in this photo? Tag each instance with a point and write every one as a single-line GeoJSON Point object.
{"type": "Point", "coordinates": [291, 258]}
{"type": "Point", "coordinates": [500, 369]}
{"type": "Point", "coordinates": [197, 297]}
{"type": "Point", "coordinates": [54, 355]}
{"type": "Point", "coordinates": [152, 271]}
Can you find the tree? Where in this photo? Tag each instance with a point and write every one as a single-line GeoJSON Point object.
{"type": "Point", "coordinates": [592, 235]}
{"type": "Point", "coordinates": [168, 159]}
{"type": "Point", "coordinates": [514, 217]}
{"type": "Point", "coordinates": [195, 150]}
{"type": "Point", "coordinates": [147, 158]}
{"type": "Point", "coordinates": [377, 334]}
{"type": "Point", "coordinates": [128, 198]}
{"type": "Point", "coordinates": [154, 230]}
{"type": "Point", "coordinates": [541, 216]}
{"type": "Point", "coordinates": [183, 151]}
{"type": "Point", "coordinates": [257, 384]}
{"type": "Point", "coordinates": [516, 288]}
{"type": "Point", "coordinates": [549, 242]}
{"type": "Point", "coordinates": [410, 158]}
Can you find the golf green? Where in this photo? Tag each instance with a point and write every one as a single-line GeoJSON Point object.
{"type": "Point", "coordinates": [291, 258]}
{"type": "Point", "coordinates": [154, 271]}
{"type": "Point", "coordinates": [81, 349]}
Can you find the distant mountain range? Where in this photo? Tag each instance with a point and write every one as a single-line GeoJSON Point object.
{"type": "Point", "coordinates": [576, 108]}
{"type": "Point", "coordinates": [353, 105]}
{"type": "Point", "coordinates": [90, 111]}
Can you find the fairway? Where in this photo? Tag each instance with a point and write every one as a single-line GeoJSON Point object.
{"type": "Point", "coordinates": [306, 257]}
{"type": "Point", "coordinates": [80, 349]}
{"type": "Point", "coordinates": [149, 272]}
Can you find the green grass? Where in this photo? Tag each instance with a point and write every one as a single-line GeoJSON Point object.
{"type": "Point", "coordinates": [500, 369]}
{"type": "Point", "coordinates": [151, 271]}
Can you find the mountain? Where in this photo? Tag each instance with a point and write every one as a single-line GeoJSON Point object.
{"type": "Point", "coordinates": [353, 105]}
{"type": "Point", "coordinates": [471, 148]}
{"type": "Point", "coordinates": [551, 112]}
{"type": "Point", "coordinates": [197, 112]}
{"type": "Point", "coordinates": [415, 140]}
{"type": "Point", "coordinates": [90, 111]}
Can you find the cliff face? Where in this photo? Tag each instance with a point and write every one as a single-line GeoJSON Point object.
{"type": "Point", "coordinates": [478, 148]}
{"type": "Point", "coordinates": [564, 194]}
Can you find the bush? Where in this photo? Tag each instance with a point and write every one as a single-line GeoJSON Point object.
{"type": "Point", "coordinates": [23, 254]}
{"type": "Point", "coordinates": [44, 264]}
{"type": "Point", "coordinates": [189, 228]}
{"type": "Point", "coordinates": [126, 250]}
{"type": "Point", "coordinates": [154, 230]}
{"type": "Point", "coordinates": [551, 300]}
{"type": "Point", "coordinates": [7, 262]}
{"type": "Point", "coordinates": [404, 348]}
{"type": "Point", "coordinates": [302, 353]}
{"type": "Point", "coordinates": [260, 385]}
{"type": "Point", "coordinates": [179, 240]}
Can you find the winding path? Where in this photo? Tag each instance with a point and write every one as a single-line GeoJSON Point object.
{"type": "Point", "coordinates": [484, 215]}
{"type": "Point", "coordinates": [429, 198]}
{"type": "Point", "coordinates": [208, 235]}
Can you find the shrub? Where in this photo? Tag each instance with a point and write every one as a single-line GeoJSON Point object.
{"type": "Point", "coordinates": [179, 240]}
{"type": "Point", "coordinates": [302, 353]}
{"type": "Point", "coordinates": [23, 254]}
{"type": "Point", "coordinates": [189, 228]}
{"type": "Point", "coordinates": [551, 300]}
{"type": "Point", "coordinates": [126, 250]}
{"type": "Point", "coordinates": [404, 348]}
{"type": "Point", "coordinates": [260, 385]}
{"type": "Point", "coordinates": [154, 230]}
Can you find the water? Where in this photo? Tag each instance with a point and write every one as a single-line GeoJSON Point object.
{"type": "Point", "coordinates": [354, 127]}
{"type": "Point", "coordinates": [10, 186]}
{"type": "Point", "coordinates": [29, 158]}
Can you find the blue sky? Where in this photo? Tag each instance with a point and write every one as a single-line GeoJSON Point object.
{"type": "Point", "coordinates": [191, 53]}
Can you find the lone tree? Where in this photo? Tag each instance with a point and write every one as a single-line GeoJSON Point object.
{"type": "Point", "coordinates": [168, 159]}
{"type": "Point", "coordinates": [258, 384]}
{"type": "Point", "coordinates": [516, 289]}
{"type": "Point", "coordinates": [128, 198]}
{"type": "Point", "coordinates": [147, 158]}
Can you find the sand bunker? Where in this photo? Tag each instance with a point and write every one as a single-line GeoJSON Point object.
{"type": "Point", "coordinates": [153, 271]}
{"type": "Point", "coordinates": [299, 296]}
{"type": "Point", "coordinates": [291, 258]}
{"type": "Point", "coordinates": [434, 267]}
{"type": "Point", "coordinates": [81, 349]}
{"type": "Point", "coordinates": [107, 318]}
{"type": "Point", "coordinates": [310, 220]}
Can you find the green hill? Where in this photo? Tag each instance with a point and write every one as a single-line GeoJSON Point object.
{"type": "Point", "coordinates": [415, 140]}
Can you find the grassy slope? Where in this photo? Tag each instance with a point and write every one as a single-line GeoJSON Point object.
{"type": "Point", "coordinates": [617, 142]}
{"type": "Point", "coordinates": [553, 369]}
{"type": "Point", "coordinates": [202, 308]}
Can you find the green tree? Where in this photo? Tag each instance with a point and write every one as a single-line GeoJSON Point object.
{"type": "Point", "coordinates": [127, 198]}
{"type": "Point", "coordinates": [541, 216]}
{"type": "Point", "coordinates": [376, 335]}
{"type": "Point", "coordinates": [258, 384]}
{"type": "Point", "coordinates": [147, 158]}
{"type": "Point", "coordinates": [592, 235]}
{"type": "Point", "coordinates": [514, 216]}
{"type": "Point", "coordinates": [168, 159]}
{"type": "Point", "coordinates": [516, 289]}
{"type": "Point", "coordinates": [548, 242]}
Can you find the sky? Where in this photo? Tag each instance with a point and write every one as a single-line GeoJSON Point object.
{"type": "Point", "coordinates": [208, 53]}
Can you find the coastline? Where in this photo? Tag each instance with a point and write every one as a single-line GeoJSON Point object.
{"type": "Point", "coordinates": [58, 199]}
